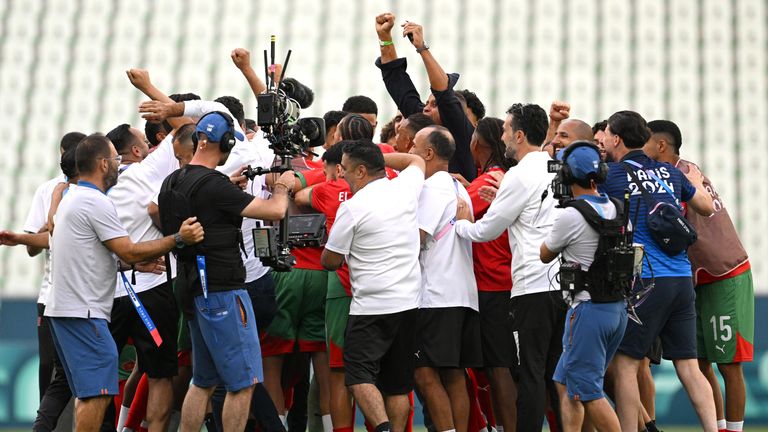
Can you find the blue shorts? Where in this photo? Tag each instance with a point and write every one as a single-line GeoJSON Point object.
{"type": "Point", "coordinates": [225, 342]}
{"type": "Point", "coordinates": [88, 355]}
{"type": "Point", "coordinates": [592, 333]}
{"type": "Point", "coordinates": [667, 311]}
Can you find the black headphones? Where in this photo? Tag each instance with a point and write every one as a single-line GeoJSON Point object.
{"type": "Point", "coordinates": [568, 178]}
{"type": "Point", "coordinates": [227, 141]}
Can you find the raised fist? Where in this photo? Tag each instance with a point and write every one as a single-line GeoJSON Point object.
{"type": "Point", "coordinates": [384, 24]}
{"type": "Point", "coordinates": [241, 57]}
{"type": "Point", "coordinates": [559, 111]}
{"type": "Point", "coordinates": [139, 78]}
{"type": "Point", "coordinates": [416, 32]}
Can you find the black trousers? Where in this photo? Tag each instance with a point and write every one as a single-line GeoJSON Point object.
{"type": "Point", "coordinates": [54, 389]}
{"type": "Point", "coordinates": [537, 322]}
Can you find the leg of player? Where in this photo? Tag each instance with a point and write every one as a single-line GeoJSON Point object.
{"type": "Point", "coordinates": [273, 367]}
{"type": "Point", "coordinates": [709, 373]}
{"type": "Point", "coordinates": [601, 415]}
{"type": "Point", "coordinates": [647, 389]}
{"type": "Point", "coordinates": [699, 392]}
{"type": "Point", "coordinates": [194, 408]}
{"type": "Point", "coordinates": [735, 392]}
{"type": "Point", "coordinates": [436, 397]}
{"type": "Point", "coordinates": [626, 392]}
{"type": "Point", "coordinates": [159, 403]}
{"type": "Point", "coordinates": [235, 404]}
{"type": "Point", "coordinates": [371, 402]}
{"type": "Point", "coordinates": [503, 396]}
{"type": "Point", "coordinates": [322, 375]}
{"type": "Point", "coordinates": [455, 385]}
{"type": "Point", "coordinates": [398, 408]}
{"type": "Point", "coordinates": [342, 410]}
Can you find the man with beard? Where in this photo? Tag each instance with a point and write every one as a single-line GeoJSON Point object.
{"type": "Point", "coordinates": [80, 306]}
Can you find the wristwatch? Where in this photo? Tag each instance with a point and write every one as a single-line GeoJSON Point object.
{"type": "Point", "coordinates": [423, 48]}
{"type": "Point", "coordinates": [179, 242]}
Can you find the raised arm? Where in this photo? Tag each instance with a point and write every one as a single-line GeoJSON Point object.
{"type": "Point", "coordinates": [401, 161]}
{"type": "Point", "coordinates": [393, 69]}
{"type": "Point", "coordinates": [438, 79]}
{"type": "Point", "coordinates": [241, 57]}
{"type": "Point", "coordinates": [140, 79]}
{"type": "Point", "coordinates": [558, 112]}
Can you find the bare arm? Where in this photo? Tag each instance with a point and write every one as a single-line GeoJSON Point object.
{"type": "Point", "coordinates": [401, 161]}
{"type": "Point", "coordinates": [302, 197]}
{"type": "Point", "coordinates": [37, 241]}
{"type": "Point", "coordinates": [132, 253]}
{"type": "Point", "coordinates": [438, 79]}
{"type": "Point", "coordinates": [701, 202]}
{"type": "Point", "coordinates": [242, 59]}
{"type": "Point", "coordinates": [275, 207]}
{"type": "Point", "coordinates": [331, 260]}
{"type": "Point", "coordinates": [546, 255]}
{"type": "Point", "coordinates": [558, 112]}
{"type": "Point", "coordinates": [140, 79]}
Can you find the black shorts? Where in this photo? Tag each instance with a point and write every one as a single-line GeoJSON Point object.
{"type": "Point", "coordinates": [654, 353]}
{"type": "Point", "coordinates": [448, 338]}
{"type": "Point", "coordinates": [667, 311]}
{"type": "Point", "coordinates": [378, 349]}
{"type": "Point", "coordinates": [497, 338]}
{"type": "Point", "coordinates": [157, 362]}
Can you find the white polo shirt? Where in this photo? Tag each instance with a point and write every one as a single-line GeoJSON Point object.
{"type": "Point", "coordinates": [378, 231]}
{"type": "Point", "coordinates": [525, 207]}
{"type": "Point", "coordinates": [447, 273]}
{"type": "Point", "coordinates": [135, 188]}
{"type": "Point", "coordinates": [84, 269]}
{"type": "Point", "coordinates": [36, 219]}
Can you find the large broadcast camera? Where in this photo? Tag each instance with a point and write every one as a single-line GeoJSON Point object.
{"type": "Point", "coordinates": [560, 191]}
{"type": "Point", "coordinates": [289, 136]}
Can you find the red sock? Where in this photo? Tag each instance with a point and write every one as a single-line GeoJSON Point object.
{"type": "Point", "coordinates": [138, 411]}
{"type": "Point", "coordinates": [344, 429]}
{"type": "Point", "coordinates": [409, 422]}
{"type": "Point", "coordinates": [552, 420]}
{"type": "Point", "coordinates": [119, 399]}
{"type": "Point", "coordinates": [476, 419]}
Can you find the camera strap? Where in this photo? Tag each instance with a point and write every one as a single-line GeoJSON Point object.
{"type": "Point", "coordinates": [142, 311]}
{"type": "Point", "coordinates": [203, 278]}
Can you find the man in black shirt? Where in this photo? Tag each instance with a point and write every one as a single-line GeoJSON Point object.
{"type": "Point", "coordinates": [442, 105]}
{"type": "Point", "coordinates": [225, 344]}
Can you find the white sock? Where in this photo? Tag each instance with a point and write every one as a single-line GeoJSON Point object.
{"type": "Point", "coordinates": [144, 424]}
{"type": "Point", "coordinates": [327, 423]}
{"type": "Point", "coordinates": [734, 426]}
{"type": "Point", "coordinates": [284, 421]}
{"type": "Point", "coordinates": [174, 421]}
{"type": "Point", "coordinates": [721, 424]}
{"type": "Point", "coordinates": [499, 428]}
{"type": "Point", "coordinates": [123, 417]}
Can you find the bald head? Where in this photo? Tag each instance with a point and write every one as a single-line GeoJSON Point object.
{"type": "Point", "coordinates": [571, 130]}
{"type": "Point", "coordinates": [440, 140]}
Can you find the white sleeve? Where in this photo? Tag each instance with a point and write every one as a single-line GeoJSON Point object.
{"type": "Point", "coordinates": [38, 213]}
{"type": "Point", "coordinates": [342, 232]}
{"type": "Point", "coordinates": [160, 163]}
{"type": "Point", "coordinates": [564, 230]}
{"type": "Point", "coordinates": [105, 222]}
{"type": "Point", "coordinates": [504, 210]}
{"type": "Point", "coordinates": [411, 179]}
{"type": "Point", "coordinates": [430, 211]}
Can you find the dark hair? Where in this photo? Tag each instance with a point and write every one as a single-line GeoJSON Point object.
{"type": "Point", "coordinates": [490, 129]}
{"type": "Point", "coordinates": [532, 120]}
{"type": "Point", "coordinates": [152, 128]}
{"type": "Point", "coordinates": [630, 127]}
{"type": "Point", "coordinates": [355, 127]}
{"type": "Point", "coordinates": [91, 148]}
{"type": "Point", "coordinates": [364, 152]}
{"type": "Point", "coordinates": [184, 135]}
{"type": "Point", "coordinates": [250, 124]}
{"type": "Point", "coordinates": [122, 138]}
{"type": "Point", "coordinates": [70, 140]}
{"type": "Point", "coordinates": [183, 97]}
{"type": "Point", "coordinates": [441, 142]}
{"type": "Point", "coordinates": [670, 130]}
{"type": "Point", "coordinates": [473, 103]}
{"type": "Point", "coordinates": [234, 106]}
{"type": "Point", "coordinates": [68, 163]}
{"type": "Point", "coordinates": [360, 105]}
{"type": "Point", "coordinates": [334, 152]}
{"type": "Point", "coordinates": [419, 121]}
{"type": "Point", "coordinates": [332, 118]}
{"type": "Point", "coordinates": [388, 131]}
{"type": "Point", "coordinates": [599, 126]}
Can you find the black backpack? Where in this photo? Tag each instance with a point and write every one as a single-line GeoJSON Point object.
{"type": "Point", "coordinates": [668, 227]}
{"type": "Point", "coordinates": [608, 278]}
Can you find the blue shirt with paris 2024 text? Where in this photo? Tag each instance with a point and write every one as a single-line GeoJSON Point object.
{"type": "Point", "coordinates": [619, 181]}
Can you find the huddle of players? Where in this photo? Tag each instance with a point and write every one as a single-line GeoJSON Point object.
{"type": "Point", "coordinates": [381, 324]}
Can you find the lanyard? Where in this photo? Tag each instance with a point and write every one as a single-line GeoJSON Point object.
{"type": "Point", "coordinates": [203, 278]}
{"type": "Point", "coordinates": [142, 311]}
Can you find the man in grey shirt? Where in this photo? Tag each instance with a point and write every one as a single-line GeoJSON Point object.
{"type": "Point", "coordinates": [84, 279]}
{"type": "Point", "coordinates": [593, 330]}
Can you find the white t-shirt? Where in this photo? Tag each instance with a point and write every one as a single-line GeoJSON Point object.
{"type": "Point", "coordinates": [84, 269]}
{"type": "Point", "coordinates": [36, 219]}
{"type": "Point", "coordinates": [525, 207]}
{"type": "Point", "coordinates": [447, 274]}
{"type": "Point", "coordinates": [377, 229]}
{"type": "Point", "coordinates": [576, 240]}
{"type": "Point", "coordinates": [136, 186]}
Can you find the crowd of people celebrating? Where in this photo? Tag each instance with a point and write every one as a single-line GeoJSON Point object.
{"type": "Point", "coordinates": [437, 282]}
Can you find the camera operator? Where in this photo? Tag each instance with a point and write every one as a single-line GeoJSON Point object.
{"type": "Point", "coordinates": [667, 307]}
{"type": "Point", "coordinates": [442, 105]}
{"type": "Point", "coordinates": [81, 303]}
{"type": "Point", "coordinates": [217, 299]}
{"type": "Point", "coordinates": [595, 326]}
{"type": "Point", "coordinates": [722, 277]}
{"type": "Point", "coordinates": [525, 207]}
{"type": "Point", "coordinates": [377, 229]}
